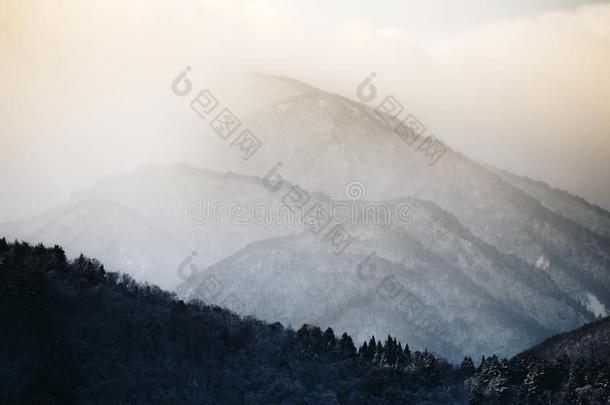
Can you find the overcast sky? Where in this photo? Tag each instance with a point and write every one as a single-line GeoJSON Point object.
{"type": "Point", "coordinates": [523, 85]}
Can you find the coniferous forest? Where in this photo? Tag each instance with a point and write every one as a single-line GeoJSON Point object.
{"type": "Point", "coordinates": [73, 333]}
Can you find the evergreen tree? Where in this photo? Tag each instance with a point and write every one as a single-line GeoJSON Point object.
{"type": "Point", "coordinates": [499, 387]}
{"type": "Point", "coordinates": [568, 391]}
{"type": "Point", "coordinates": [317, 342]}
{"type": "Point", "coordinates": [553, 375]}
{"type": "Point", "coordinates": [417, 360]}
{"type": "Point", "coordinates": [467, 368]}
{"type": "Point", "coordinates": [372, 348]}
{"type": "Point", "coordinates": [491, 370]}
{"type": "Point", "coordinates": [378, 354]}
{"type": "Point", "coordinates": [408, 356]}
{"type": "Point", "coordinates": [601, 381]}
{"type": "Point", "coordinates": [329, 339]}
{"type": "Point", "coordinates": [302, 337]}
{"type": "Point", "coordinates": [400, 358]}
{"type": "Point", "coordinates": [389, 352]}
{"type": "Point", "coordinates": [429, 369]}
{"type": "Point", "coordinates": [532, 383]}
{"type": "Point", "coordinates": [346, 346]}
{"type": "Point", "coordinates": [363, 351]}
{"type": "Point", "coordinates": [475, 392]}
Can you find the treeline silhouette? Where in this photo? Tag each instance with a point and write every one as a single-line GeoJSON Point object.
{"type": "Point", "coordinates": [72, 333]}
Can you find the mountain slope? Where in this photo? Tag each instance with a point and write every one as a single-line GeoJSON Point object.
{"type": "Point", "coordinates": [480, 299]}
{"type": "Point", "coordinates": [589, 343]}
{"type": "Point", "coordinates": [490, 244]}
{"type": "Point", "coordinates": [157, 218]}
{"type": "Point", "coordinates": [570, 206]}
{"type": "Point", "coordinates": [74, 334]}
{"type": "Point", "coordinates": [317, 134]}
{"type": "Point", "coordinates": [570, 368]}
{"type": "Point", "coordinates": [483, 300]}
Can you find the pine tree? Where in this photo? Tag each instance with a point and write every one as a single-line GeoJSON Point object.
{"type": "Point", "coordinates": [408, 356]}
{"type": "Point", "coordinates": [467, 368]}
{"type": "Point", "coordinates": [429, 369]}
{"type": "Point", "coordinates": [316, 340]}
{"type": "Point", "coordinates": [329, 339]}
{"type": "Point", "coordinates": [346, 346]}
{"type": "Point", "coordinates": [400, 358]}
{"type": "Point", "coordinates": [568, 391]}
{"type": "Point", "coordinates": [302, 337]}
{"type": "Point", "coordinates": [482, 364]}
{"type": "Point", "coordinates": [601, 381]}
{"type": "Point", "coordinates": [372, 348]}
{"type": "Point", "coordinates": [389, 352]}
{"type": "Point", "coordinates": [532, 382]}
{"type": "Point", "coordinates": [363, 351]}
{"type": "Point", "coordinates": [378, 354]}
{"type": "Point", "coordinates": [417, 360]}
{"type": "Point", "coordinates": [475, 392]}
{"type": "Point", "coordinates": [499, 386]}
{"type": "Point", "coordinates": [491, 370]}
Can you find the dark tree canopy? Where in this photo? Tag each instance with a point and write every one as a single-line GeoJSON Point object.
{"type": "Point", "coordinates": [74, 333]}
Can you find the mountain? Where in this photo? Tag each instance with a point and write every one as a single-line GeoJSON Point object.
{"type": "Point", "coordinates": [570, 368]}
{"type": "Point", "coordinates": [589, 343]}
{"type": "Point", "coordinates": [316, 134]}
{"type": "Point", "coordinates": [157, 218]}
{"type": "Point", "coordinates": [435, 270]}
{"type": "Point", "coordinates": [281, 272]}
{"type": "Point", "coordinates": [497, 265]}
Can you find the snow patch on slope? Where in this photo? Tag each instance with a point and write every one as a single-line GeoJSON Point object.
{"type": "Point", "coordinates": [594, 305]}
{"type": "Point", "coordinates": [542, 263]}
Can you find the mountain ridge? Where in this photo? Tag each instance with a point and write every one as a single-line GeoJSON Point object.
{"type": "Point", "coordinates": [478, 227]}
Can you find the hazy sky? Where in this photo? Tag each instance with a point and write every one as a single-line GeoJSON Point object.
{"type": "Point", "coordinates": [524, 85]}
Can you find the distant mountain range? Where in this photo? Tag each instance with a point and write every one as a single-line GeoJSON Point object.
{"type": "Point", "coordinates": [499, 262]}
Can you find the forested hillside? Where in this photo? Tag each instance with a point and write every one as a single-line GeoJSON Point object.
{"type": "Point", "coordinates": [73, 333]}
{"type": "Point", "coordinates": [590, 342]}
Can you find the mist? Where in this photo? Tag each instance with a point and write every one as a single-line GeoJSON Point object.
{"type": "Point", "coordinates": [86, 84]}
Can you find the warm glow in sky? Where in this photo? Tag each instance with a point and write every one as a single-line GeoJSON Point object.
{"type": "Point", "coordinates": [523, 85]}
